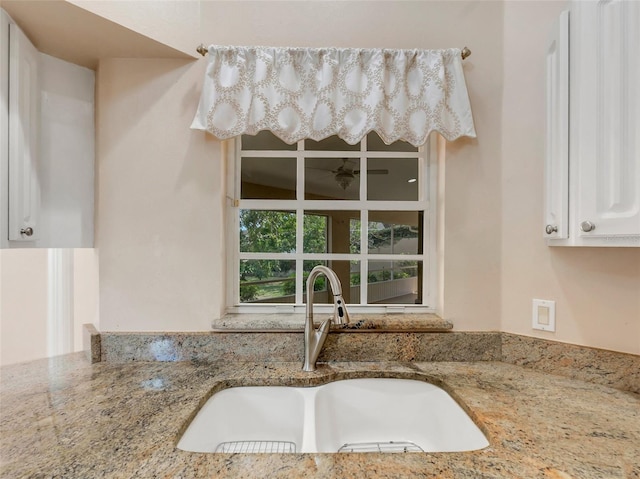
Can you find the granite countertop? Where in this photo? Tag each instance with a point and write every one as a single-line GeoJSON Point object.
{"type": "Point", "coordinates": [370, 322]}
{"type": "Point", "coordinates": [67, 418]}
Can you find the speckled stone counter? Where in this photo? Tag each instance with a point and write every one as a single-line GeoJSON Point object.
{"type": "Point", "coordinates": [67, 418]}
{"type": "Point", "coordinates": [288, 346]}
{"type": "Point", "coordinates": [370, 322]}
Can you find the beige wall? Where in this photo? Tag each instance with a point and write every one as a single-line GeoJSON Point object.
{"type": "Point", "coordinates": [23, 305]}
{"type": "Point", "coordinates": [160, 188]}
{"type": "Point", "coordinates": [173, 23]}
{"type": "Point", "coordinates": [597, 290]}
{"type": "Point", "coordinates": [160, 232]}
{"type": "Point", "coordinates": [25, 301]}
{"type": "Point", "coordinates": [161, 199]}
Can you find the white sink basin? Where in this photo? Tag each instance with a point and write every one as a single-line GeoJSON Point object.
{"type": "Point", "coordinates": [247, 414]}
{"type": "Point", "coordinates": [353, 415]}
{"type": "Point", "coordinates": [361, 411]}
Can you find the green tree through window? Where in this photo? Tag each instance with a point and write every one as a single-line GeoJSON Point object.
{"type": "Point", "coordinates": [275, 231]}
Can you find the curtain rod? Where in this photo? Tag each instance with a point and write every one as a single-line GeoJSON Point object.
{"type": "Point", "coordinates": [202, 50]}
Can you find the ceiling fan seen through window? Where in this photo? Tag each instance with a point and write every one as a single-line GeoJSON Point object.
{"type": "Point", "coordinates": [345, 174]}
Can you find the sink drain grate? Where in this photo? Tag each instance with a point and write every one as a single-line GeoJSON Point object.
{"type": "Point", "coordinates": [256, 447]}
{"type": "Point", "coordinates": [391, 446]}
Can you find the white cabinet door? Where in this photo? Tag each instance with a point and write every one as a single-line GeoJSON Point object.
{"type": "Point", "coordinates": [596, 200]}
{"type": "Point", "coordinates": [66, 167]}
{"type": "Point", "coordinates": [556, 208]}
{"type": "Point", "coordinates": [24, 117]}
{"type": "Point", "coordinates": [48, 134]}
{"type": "Point", "coordinates": [605, 148]}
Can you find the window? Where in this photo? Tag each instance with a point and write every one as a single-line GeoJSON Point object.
{"type": "Point", "coordinates": [364, 210]}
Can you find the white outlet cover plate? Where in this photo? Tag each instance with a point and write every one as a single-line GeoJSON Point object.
{"type": "Point", "coordinates": [541, 321]}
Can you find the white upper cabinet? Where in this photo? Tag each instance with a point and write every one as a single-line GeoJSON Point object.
{"type": "Point", "coordinates": [24, 119]}
{"type": "Point", "coordinates": [604, 129]}
{"type": "Point", "coordinates": [606, 111]}
{"type": "Point", "coordinates": [47, 169]}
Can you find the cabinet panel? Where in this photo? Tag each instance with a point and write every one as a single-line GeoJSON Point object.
{"type": "Point", "coordinates": [608, 164]}
{"type": "Point", "coordinates": [24, 93]}
{"type": "Point", "coordinates": [557, 132]}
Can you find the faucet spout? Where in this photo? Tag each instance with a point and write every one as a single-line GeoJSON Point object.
{"type": "Point", "coordinates": [314, 339]}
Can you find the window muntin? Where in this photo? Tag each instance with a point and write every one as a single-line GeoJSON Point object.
{"type": "Point", "coordinates": [338, 231]}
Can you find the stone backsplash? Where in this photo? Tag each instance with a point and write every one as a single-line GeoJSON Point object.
{"type": "Point", "coordinates": [609, 368]}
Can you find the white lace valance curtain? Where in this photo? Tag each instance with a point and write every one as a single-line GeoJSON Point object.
{"type": "Point", "coordinates": [299, 93]}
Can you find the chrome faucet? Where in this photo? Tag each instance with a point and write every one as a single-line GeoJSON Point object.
{"type": "Point", "coordinates": [314, 339]}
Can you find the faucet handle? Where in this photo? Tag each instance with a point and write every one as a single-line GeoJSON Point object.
{"type": "Point", "coordinates": [341, 315]}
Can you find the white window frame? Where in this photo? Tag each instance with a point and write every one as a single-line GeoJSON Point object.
{"type": "Point", "coordinates": [427, 198]}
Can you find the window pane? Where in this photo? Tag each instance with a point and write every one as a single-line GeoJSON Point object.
{"type": "Point", "coordinates": [332, 232]}
{"type": "Point", "coordinates": [375, 143]}
{"type": "Point", "coordinates": [267, 231]}
{"type": "Point", "coordinates": [265, 140]}
{"type": "Point", "coordinates": [392, 179]}
{"type": "Point", "coordinates": [395, 232]}
{"type": "Point", "coordinates": [354, 282]}
{"type": "Point", "coordinates": [394, 282]}
{"type": "Point", "coordinates": [267, 281]}
{"type": "Point", "coordinates": [354, 234]}
{"type": "Point", "coordinates": [268, 178]}
{"type": "Point", "coordinates": [348, 273]}
{"type": "Point", "coordinates": [332, 178]}
{"type": "Point", "coordinates": [315, 232]}
{"type": "Point", "coordinates": [333, 143]}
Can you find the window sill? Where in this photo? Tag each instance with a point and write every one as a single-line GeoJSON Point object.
{"type": "Point", "coordinates": [360, 323]}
